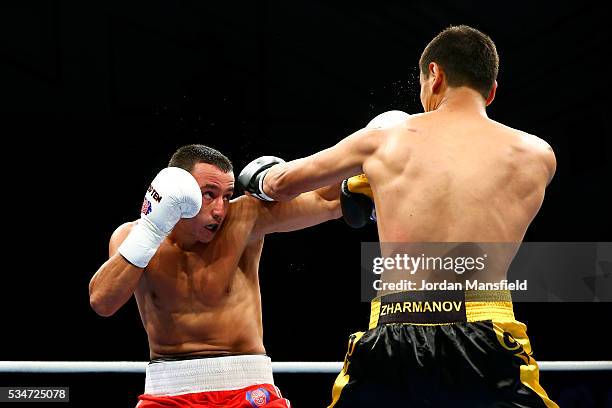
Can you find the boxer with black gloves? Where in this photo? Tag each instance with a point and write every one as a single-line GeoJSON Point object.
{"type": "Point", "coordinates": [449, 175]}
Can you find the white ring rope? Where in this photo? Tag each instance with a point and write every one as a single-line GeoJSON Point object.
{"type": "Point", "coordinates": [279, 367]}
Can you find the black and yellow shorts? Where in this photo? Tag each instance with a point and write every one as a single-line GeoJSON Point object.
{"type": "Point", "coordinates": [440, 349]}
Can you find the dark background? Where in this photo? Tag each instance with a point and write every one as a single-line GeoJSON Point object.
{"type": "Point", "coordinates": [95, 97]}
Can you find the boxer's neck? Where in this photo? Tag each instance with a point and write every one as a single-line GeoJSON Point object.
{"type": "Point", "coordinates": [461, 99]}
{"type": "Point", "coordinates": [184, 241]}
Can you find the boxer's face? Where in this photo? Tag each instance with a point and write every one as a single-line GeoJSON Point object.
{"type": "Point", "coordinates": [217, 189]}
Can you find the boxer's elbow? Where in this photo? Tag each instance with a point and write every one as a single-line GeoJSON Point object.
{"type": "Point", "coordinates": [99, 303]}
{"type": "Point", "coordinates": [329, 208]}
{"type": "Point", "coordinates": [329, 199]}
{"type": "Point", "coordinates": [334, 209]}
{"type": "Point", "coordinates": [101, 308]}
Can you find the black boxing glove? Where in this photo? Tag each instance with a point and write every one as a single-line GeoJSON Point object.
{"type": "Point", "coordinates": [252, 176]}
{"type": "Point", "coordinates": [356, 201]}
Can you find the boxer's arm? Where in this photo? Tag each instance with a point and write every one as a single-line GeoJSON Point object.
{"type": "Point", "coordinates": [304, 211]}
{"type": "Point", "coordinates": [544, 156]}
{"type": "Point", "coordinates": [285, 181]}
{"type": "Point", "coordinates": [550, 162]}
{"type": "Point", "coordinates": [114, 283]}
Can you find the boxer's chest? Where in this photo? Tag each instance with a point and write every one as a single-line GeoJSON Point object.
{"type": "Point", "coordinates": [193, 278]}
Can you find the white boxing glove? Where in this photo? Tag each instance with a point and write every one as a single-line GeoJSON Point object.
{"type": "Point", "coordinates": [387, 119]}
{"type": "Point", "coordinates": [173, 194]}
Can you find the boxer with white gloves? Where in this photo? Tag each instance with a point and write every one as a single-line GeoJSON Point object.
{"type": "Point", "coordinates": [192, 261]}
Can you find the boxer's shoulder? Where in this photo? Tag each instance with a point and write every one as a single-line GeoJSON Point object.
{"type": "Point", "coordinates": [244, 206]}
{"type": "Point", "coordinates": [526, 140]}
{"type": "Point", "coordinates": [544, 152]}
{"type": "Point", "coordinates": [538, 145]}
{"type": "Point", "coordinates": [244, 210]}
{"type": "Point", "coordinates": [413, 125]}
{"type": "Point", "coordinates": [534, 145]}
{"type": "Point", "coordinates": [531, 149]}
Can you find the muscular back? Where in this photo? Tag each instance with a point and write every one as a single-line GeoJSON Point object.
{"type": "Point", "coordinates": [448, 177]}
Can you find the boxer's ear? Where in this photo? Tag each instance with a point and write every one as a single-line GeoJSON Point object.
{"type": "Point", "coordinates": [492, 93]}
{"type": "Point", "coordinates": [437, 75]}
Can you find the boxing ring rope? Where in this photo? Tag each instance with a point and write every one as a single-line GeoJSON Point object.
{"type": "Point", "coordinates": [279, 367]}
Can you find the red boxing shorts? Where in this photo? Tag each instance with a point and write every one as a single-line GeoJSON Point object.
{"type": "Point", "coordinates": [229, 381]}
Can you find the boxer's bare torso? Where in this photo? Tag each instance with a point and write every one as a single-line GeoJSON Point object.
{"type": "Point", "coordinates": [206, 300]}
{"type": "Point", "coordinates": [200, 295]}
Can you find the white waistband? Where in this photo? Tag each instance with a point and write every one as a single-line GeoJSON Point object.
{"type": "Point", "coordinates": [207, 374]}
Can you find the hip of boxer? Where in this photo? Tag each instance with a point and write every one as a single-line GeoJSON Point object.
{"type": "Point", "coordinates": [441, 349]}
{"type": "Point", "coordinates": [237, 381]}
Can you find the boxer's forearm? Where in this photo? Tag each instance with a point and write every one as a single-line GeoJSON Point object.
{"type": "Point", "coordinates": [285, 181]}
{"type": "Point", "coordinates": [304, 211]}
{"type": "Point", "coordinates": [113, 285]}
